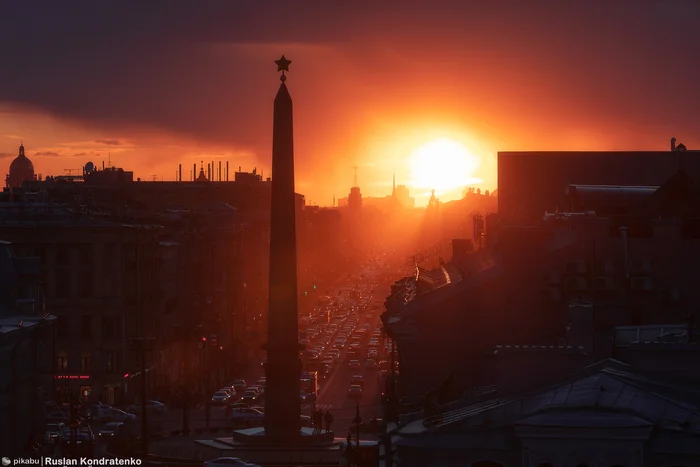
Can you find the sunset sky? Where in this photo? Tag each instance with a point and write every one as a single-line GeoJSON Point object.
{"type": "Point", "coordinates": [159, 83]}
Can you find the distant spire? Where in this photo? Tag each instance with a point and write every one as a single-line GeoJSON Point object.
{"type": "Point", "coordinates": [393, 189]}
{"type": "Point", "coordinates": [354, 178]}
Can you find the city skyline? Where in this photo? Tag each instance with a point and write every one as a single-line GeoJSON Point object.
{"type": "Point", "coordinates": [414, 75]}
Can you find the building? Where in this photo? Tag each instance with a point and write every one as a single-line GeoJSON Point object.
{"type": "Point", "coordinates": [530, 183]}
{"type": "Point", "coordinates": [608, 414]}
{"type": "Point", "coordinates": [21, 170]}
{"type": "Point", "coordinates": [98, 276]}
{"type": "Point", "coordinates": [26, 350]}
{"type": "Point", "coordinates": [634, 263]}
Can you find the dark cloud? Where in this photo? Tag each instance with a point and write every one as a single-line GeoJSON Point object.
{"type": "Point", "coordinates": [48, 154]}
{"type": "Point", "coordinates": [108, 142]}
{"type": "Point", "coordinates": [7, 155]}
{"type": "Point", "coordinates": [133, 63]}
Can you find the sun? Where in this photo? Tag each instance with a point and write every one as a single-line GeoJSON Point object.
{"type": "Point", "coordinates": [443, 164]}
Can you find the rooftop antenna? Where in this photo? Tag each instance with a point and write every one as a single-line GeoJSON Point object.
{"type": "Point", "coordinates": [109, 159]}
{"type": "Point", "coordinates": [155, 177]}
{"type": "Point", "coordinates": [354, 178]}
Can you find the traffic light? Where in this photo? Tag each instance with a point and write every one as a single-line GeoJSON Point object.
{"type": "Point", "coordinates": [314, 286]}
{"type": "Point", "coordinates": [306, 293]}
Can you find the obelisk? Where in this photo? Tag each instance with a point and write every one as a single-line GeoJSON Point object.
{"type": "Point", "coordinates": [283, 368]}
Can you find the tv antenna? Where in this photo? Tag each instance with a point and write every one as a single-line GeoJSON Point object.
{"type": "Point", "coordinates": [155, 177]}
{"type": "Point", "coordinates": [354, 177]}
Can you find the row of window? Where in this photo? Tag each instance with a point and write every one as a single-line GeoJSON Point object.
{"type": "Point", "coordinates": [111, 326]}
{"type": "Point", "coordinates": [109, 362]}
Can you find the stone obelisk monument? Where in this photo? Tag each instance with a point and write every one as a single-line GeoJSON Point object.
{"type": "Point", "coordinates": [283, 368]}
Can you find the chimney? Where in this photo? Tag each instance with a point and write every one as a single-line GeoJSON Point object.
{"type": "Point", "coordinates": [179, 172]}
{"type": "Point", "coordinates": [673, 144]}
{"type": "Point", "coordinates": [461, 248]}
{"type": "Point", "coordinates": [209, 171]}
{"type": "Point", "coordinates": [227, 171]}
{"type": "Point", "coordinates": [625, 251]}
{"type": "Point", "coordinates": [194, 171]}
{"type": "Point", "coordinates": [219, 170]}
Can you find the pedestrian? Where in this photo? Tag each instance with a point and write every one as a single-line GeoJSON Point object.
{"type": "Point", "coordinates": [329, 420]}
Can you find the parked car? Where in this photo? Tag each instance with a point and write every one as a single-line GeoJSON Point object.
{"type": "Point", "coordinates": [247, 416]}
{"type": "Point", "coordinates": [151, 407]}
{"type": "Point", "coordinates": [249, 397]}
{"type": "Point", "coordinates": [96, 411]}
{"type": "Point", "coordinates": [239, 385]}
{"type": "Point", "coordinates": [220, 398]}
{"type": "Point", "coordinates": [236, 405]}
{"type": "Point", "coordinates": [109, 429]}
{"type": "Point", "coordinates": [56, 416]}
{"type": "Point", "coordinates": [53, 432]}
{"type": "Point", "coordinates": [354, 364]}
{"type": "Point", "coordinates": [228, 462]}
{"type": "Point", "coordinates": [116, 415]}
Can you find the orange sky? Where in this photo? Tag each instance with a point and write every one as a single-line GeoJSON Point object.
{"type": "Point", "coordinates": [367, 93]}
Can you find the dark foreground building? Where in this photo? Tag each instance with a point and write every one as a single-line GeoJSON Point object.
{"type": "Point", "coordinates": [530, 183]}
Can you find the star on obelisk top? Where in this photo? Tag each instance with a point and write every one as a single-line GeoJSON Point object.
{"type": "Point", "coordinates": [283, 65]}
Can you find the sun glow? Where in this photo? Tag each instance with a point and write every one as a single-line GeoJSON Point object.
{"type": "Point", "coordinates": [443, 165]}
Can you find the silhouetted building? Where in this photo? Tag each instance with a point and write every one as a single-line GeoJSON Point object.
{"type": "Point", "coordinates": [634, 265]}
{"type": "Point", "coordinates": [530, 183]}
{"type": "Point", "coordinates": [108, 176]}
{"type": "Point", "coordinates": [355, 200]}
{"type": "Point", "coordinates": [26, 351]}
{"type": "Point", "coordinates": [607, 414]}
{"type": "Point", "coordinates": [21, 170]}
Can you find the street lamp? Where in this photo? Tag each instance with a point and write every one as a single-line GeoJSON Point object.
{"type": "Point", "coordinates": [357, 421]}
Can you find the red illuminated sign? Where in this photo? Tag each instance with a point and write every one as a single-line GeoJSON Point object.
{"type": "Point", "coordinates": [71, 376]}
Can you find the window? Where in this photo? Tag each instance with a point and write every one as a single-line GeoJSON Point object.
{"type": "Point", "coordinates": [111, 257]}
{"type": "Point", "coordinates": [86, 326]}
{"type": "Point", "coordinates": [62, 361]}
{"type": "Point", "coordinates": [86, 286]}
{"type": "Point", "coordinates": [110, 327]}
{"type": "Point", "coordinates": [85, 254]}
{"type": "Point", "coordinates": [85, 361]}
{"type": "Point", "coordinates": [63, 256]}
{"type": "Point", "coordinates": [131, 286]}
{"type": "Point", "coordinates": [64, 284]}
{"type": "Point", "coordinates": [110, 362]}
{"type": "Point", "coordinates": [62, 326]}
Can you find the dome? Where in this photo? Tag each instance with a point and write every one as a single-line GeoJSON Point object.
{"type": "Point", "coordinates": [21, 169]}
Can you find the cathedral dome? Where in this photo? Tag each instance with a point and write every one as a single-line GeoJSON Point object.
{"type": "Point", "coordinates": [21, 169]}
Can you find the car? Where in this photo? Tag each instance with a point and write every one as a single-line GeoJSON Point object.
{"type": "Point", "coordinates": [262, 381]}
{"type": "Point", "coordinates": [95, 412]}
{"type": "Point", "coordinates": [228, 462]}
{"type": "Point", "coordinates": [116, 415]}
{"type": "Point", "coordinates": [53, 432]}
{"type": "Point", "coordinates": [249, 397]}
{"type": "Point", "coordinates": [307, 421]}
{"type": "Point", "coordinates": [355, 391]}
{"type": "Point", "coordinates": [151, 407]}
{"type": "Point", "coordinates": [305, 398]}
{"type": "Point", "coordinates": [109, 429]}
{"type": "Point", "coordinates": [255, 388]}
{"type": "Point", "coordinates": [239, 385]}
{"type": "Point", "coordinates": [370, 363]}
{"type": "Point", "coordinates": [220, 398]}
{"type": "Point", "coordinates": [359, 380]}
{"type": "Point", "coordinates": [247, 416]}
{"type": "Point", "coordinates": [236, 405]}
{"type": "Point", "coordinates": [56, 416]}
{"type": "Point", "coordinates": [354, 364]}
